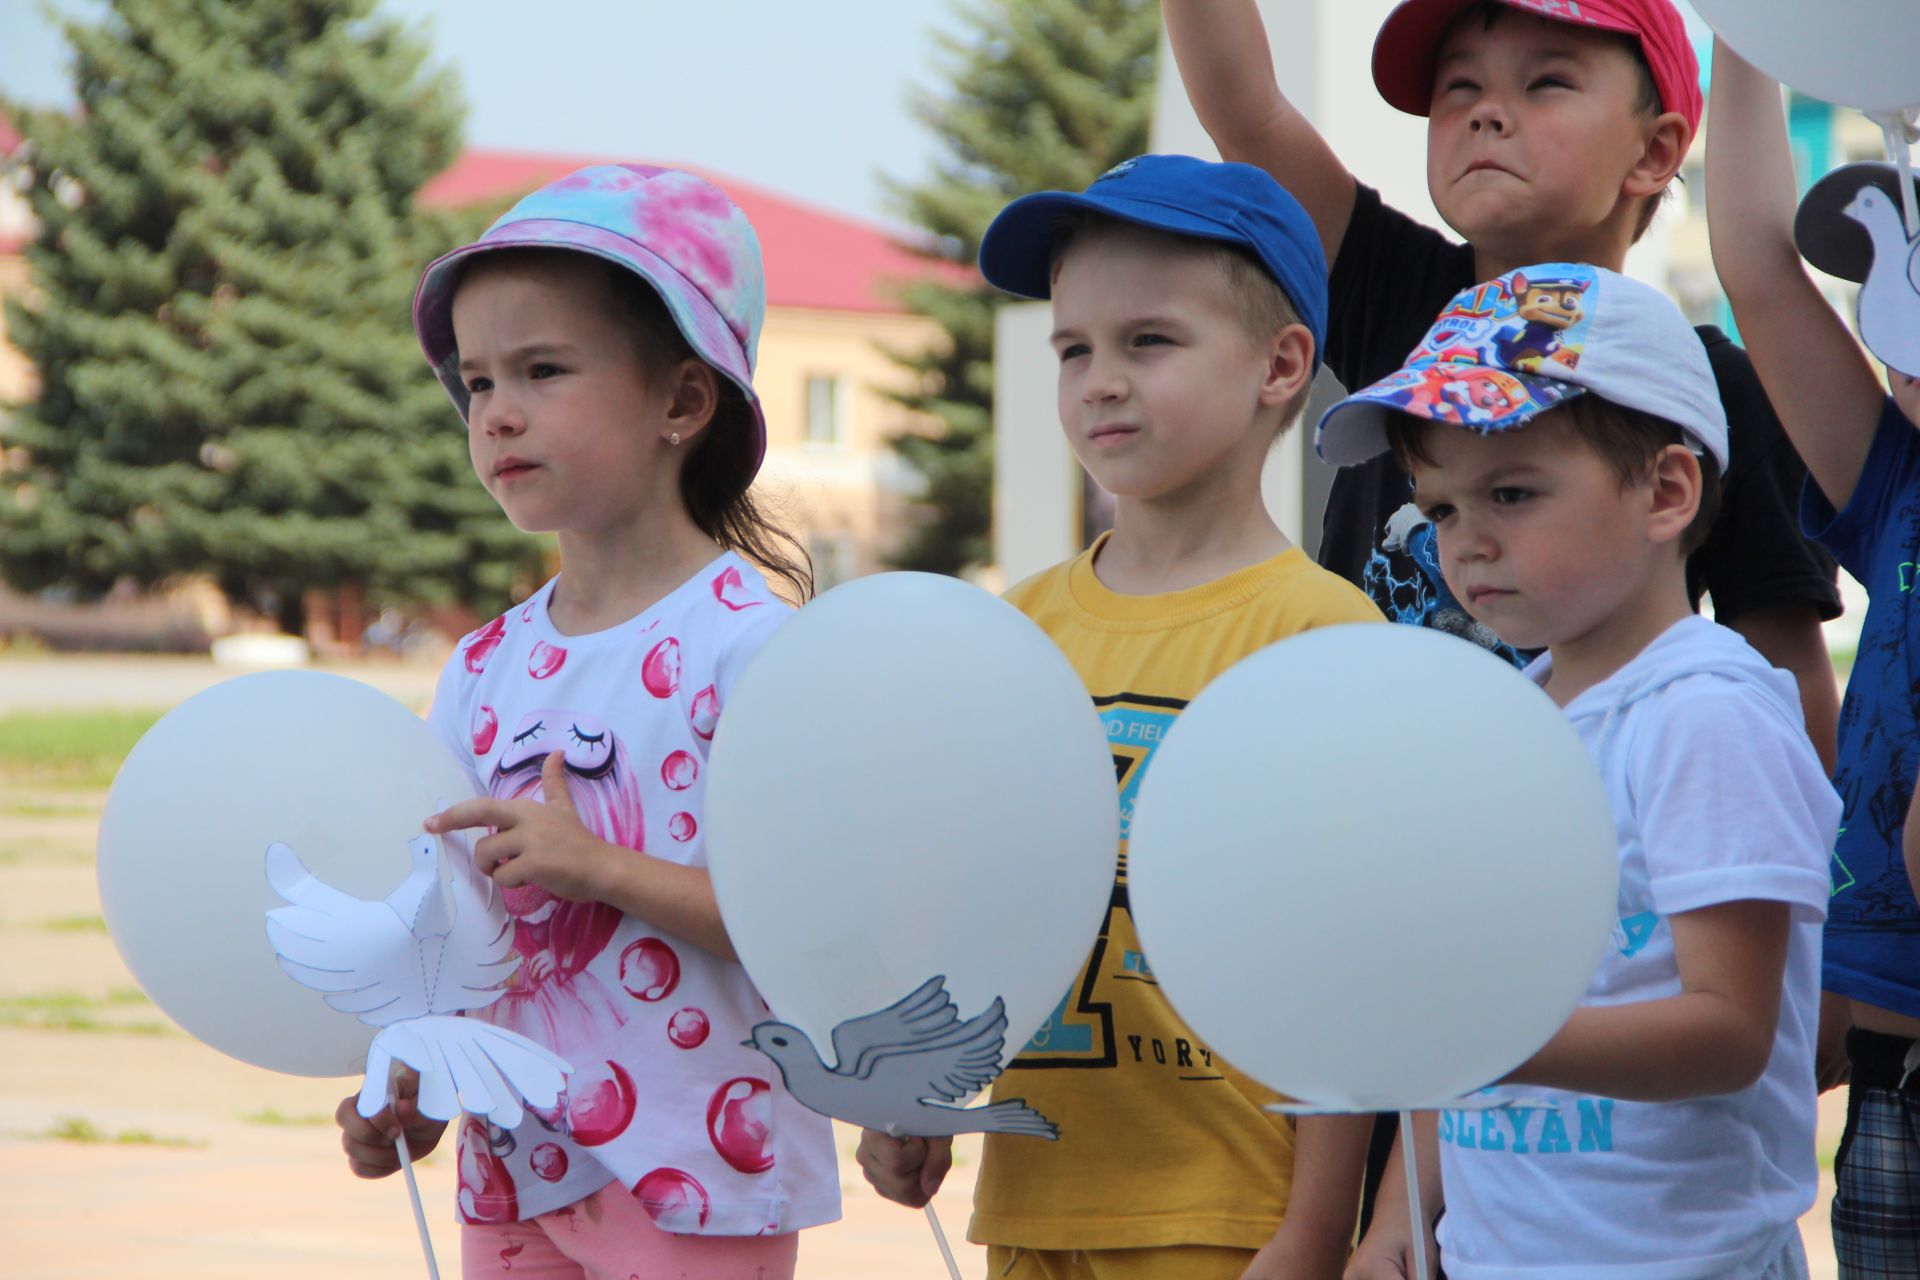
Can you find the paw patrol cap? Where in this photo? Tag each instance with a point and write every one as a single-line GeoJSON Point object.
{"type": "Point", "coordinates": [678, 232]}
{"type": "Point", "coordinates": [1206, 199]}
{"type": "Point", "coordinates": [1506, 351]}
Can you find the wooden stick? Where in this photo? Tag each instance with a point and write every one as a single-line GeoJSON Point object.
{"type": "Point", "coordinates": [420, 1214]}
{"type": "Point", "coordinates": [1411, 1161]}
{"type": "Point", "coordinates": [940, 1238]}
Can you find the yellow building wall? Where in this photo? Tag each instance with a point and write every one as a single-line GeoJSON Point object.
{"type": "Point", "coordinates": [849, 497]}
{"type": "Point", "coordinates": [17, 381]}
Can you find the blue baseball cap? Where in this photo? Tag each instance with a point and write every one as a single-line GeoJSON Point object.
{"type": "Point", "coordinates": [1183, 195]}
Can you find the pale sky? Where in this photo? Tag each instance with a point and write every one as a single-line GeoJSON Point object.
{"type": "Point", "coordinates": [807, 97]}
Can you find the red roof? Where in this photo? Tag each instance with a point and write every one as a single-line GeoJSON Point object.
{"type": "Point", "coordinates": [814, 257]}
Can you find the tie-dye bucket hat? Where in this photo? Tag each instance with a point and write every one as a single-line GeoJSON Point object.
{"type": "Point", "coordinates": [678, 232]}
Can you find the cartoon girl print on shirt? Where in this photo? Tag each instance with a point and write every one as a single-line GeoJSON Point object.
{"type": "Point", "coordinates": [553, 999]}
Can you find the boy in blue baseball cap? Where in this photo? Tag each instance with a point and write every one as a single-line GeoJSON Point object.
{"type": "Point", "coordinates": [1189, 306]}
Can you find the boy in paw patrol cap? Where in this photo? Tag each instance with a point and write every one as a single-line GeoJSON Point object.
{"type": "Point", "coordinates": [1562, 514]}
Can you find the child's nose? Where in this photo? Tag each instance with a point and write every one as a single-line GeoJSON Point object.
{"type": "Point", "coordinates": [501, 416]}
{"type": "Point", "coordinates": [1489, 115]}
{"type": "Point", "coordinates": [1468, 542]}
{"type": "Point", "coordinates": [1105, 380]}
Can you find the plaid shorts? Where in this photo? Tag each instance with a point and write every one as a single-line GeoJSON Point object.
{"type": "Point", "coordinates": [1876, 1199]}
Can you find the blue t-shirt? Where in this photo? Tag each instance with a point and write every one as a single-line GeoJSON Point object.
{"type": "Point", "coordinates": [1873, 923]}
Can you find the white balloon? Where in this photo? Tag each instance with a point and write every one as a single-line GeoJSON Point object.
{"type": "Point", "coordinates": [910, 781]}
{"type": "Point", "coordinates": [339, 771]}
{"type": "Point", "coordinates": [1374, 866]}
{"type": "Point", "coordinates": [1857, 53]}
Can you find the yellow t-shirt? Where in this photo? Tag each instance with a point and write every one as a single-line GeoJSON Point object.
{"type": "Point", "coordinates": [1161, 1142]}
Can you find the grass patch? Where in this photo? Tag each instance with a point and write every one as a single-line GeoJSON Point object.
{"type": "Point", "coordinates": [45, 853]}
{"type": "Point", "coordinates": [276, 1118]}
{"type": "Point", "coordinates": [67, 1011]}
{"type": "Point", "coordinates": [68, 748]}
{"type": "Point", "coordinates": [75, 924]}
{"type": "Point", "coordinates": [81, 1129]}
{"type": "Point", "coordinates": [47, 809]}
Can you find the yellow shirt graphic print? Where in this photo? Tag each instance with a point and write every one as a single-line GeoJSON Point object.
{"type": "Point", "coordinates": [1080, 1030]}
{"type": "Point", "coordinates": [1161, 1141]}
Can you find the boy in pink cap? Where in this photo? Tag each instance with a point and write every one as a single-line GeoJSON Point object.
{"type": "Point", "coordinates": [1554, 128]}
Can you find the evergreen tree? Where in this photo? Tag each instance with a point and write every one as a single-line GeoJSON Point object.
{"type": "Point", "coordinates": [227, 251]}
{"type": "Point", "coordinates": [1041, 94]}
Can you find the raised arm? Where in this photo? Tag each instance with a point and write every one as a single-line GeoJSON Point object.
{"type": "Point", "coordinates": [1821, 384]}
{"type": "Point", "coordinates": [1221, 46]}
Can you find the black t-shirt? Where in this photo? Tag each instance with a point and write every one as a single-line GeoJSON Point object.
{"type": "Point", "coordinates": [1389, 282]}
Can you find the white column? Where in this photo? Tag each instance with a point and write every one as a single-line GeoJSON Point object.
{"type": "Point", "coordinates": [1036, 479]}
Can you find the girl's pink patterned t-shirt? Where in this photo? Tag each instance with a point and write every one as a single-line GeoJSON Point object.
{"type": "Point", "coordinates": [663, 1096]}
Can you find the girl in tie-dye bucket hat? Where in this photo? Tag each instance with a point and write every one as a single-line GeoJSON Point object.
{"type": "Point", "coordinates": [599, 342]}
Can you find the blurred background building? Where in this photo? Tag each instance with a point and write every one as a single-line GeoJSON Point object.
{"type": "Point", "coordinates": [836, 319]}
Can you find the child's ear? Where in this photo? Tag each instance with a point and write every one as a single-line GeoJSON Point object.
{"type": "Point", "coordinates": [1289, 365]}
{"type": "Point", "coordinates": [1660, 159]}
{"type": "Point", "coordinates": [696, 398]}
{"type": "Point", "coordinates": [1673, 493]}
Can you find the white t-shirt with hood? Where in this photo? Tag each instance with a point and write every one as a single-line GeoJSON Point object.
{"type": "Point", "coordinates": [1717, 797]}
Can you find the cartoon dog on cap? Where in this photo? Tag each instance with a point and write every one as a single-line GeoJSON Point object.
{"type": "Point", "coordinates": [1545, 309]}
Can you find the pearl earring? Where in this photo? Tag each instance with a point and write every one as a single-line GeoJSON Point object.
{"type": "Point", "coordinates": [674, 439]}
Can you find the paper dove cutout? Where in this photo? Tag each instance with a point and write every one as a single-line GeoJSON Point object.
{"type": "Point", "coordinates": [406, 964]}
{"type": "Point", "coordinates": [1850, 225]}
{"type": "Point", "coordinates": [888, 1064]}
{"type": "Point", "coordinates": [1890, 295]}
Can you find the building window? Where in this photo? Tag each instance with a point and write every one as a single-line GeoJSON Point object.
{"type": "Point", "coordinates": [832, 559]}
{"type": "Point", "coordinates": [826, 410]}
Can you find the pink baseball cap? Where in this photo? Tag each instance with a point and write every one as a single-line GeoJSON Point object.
{"type": "Point", "coordinates": [675, 230]}
{"type": "Point", "coordinates": [1408, 46]}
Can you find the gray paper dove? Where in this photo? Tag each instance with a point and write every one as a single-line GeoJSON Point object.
{"type": "Point", "coordinates": [889, 1064]}
{"type": "Point", "coordinates": [406, 964]}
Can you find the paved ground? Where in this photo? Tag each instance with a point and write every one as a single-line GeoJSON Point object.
{"type": "Point", "coordinates": [210, 1168]}
{"type": "Point", "coordinates": [221, 1169]}
{"type": "Point", "coordinates": [202, 1166]}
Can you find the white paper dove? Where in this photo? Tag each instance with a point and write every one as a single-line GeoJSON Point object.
{"type": "Point", "coordinates": [1851, 224]}
{"type": "Point", "coordinates": [888, 1065]}
{"type": "Point", "coordinates": [1890, 295]}
{"type": "Point", "coordinates": [433, 948]}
